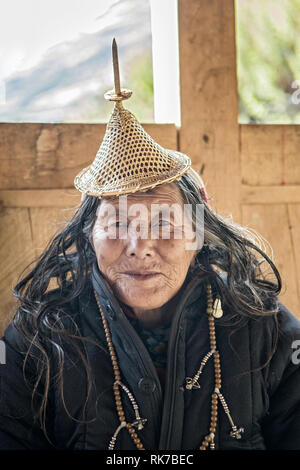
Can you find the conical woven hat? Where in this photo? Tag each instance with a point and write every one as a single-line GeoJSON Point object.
{"type": "Point", "coordinates": [128, 159]}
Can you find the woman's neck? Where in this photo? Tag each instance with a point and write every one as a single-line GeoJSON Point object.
{"type": "Point", "coordinates": [158, 317]}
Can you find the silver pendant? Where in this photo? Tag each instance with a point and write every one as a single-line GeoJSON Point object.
{"type": "Point", "coordinates": [236, 433]}
{"type": "Point", "coordinates": [217, 309]}
{"type": "Point", "coordinates": [191, 383]}
{"type": "Point", "coordinates": [139, 423]}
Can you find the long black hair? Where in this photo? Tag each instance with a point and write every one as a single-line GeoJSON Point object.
{"type": "Point", "coordinates": [230, 250]}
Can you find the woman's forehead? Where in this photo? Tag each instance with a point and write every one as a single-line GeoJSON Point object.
{"type": "Point", "coordinates": [161, 194]}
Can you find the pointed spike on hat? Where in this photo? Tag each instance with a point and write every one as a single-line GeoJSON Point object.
{"type": "Point", "coordinates": [128, 159]}
{"type": "Point", "coordinates": [116, 67]}
{"type": "Point", "coordinates": [118, 94]}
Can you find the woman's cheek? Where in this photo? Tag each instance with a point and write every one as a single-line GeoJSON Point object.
{"type": "Point", "coordinates": [174, 250]}
{"type": "Point", "coordinates": [107, 250]}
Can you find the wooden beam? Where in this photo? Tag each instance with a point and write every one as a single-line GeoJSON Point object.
{"type": "Point", "coordinates": [270, 194]}
{"type": "Point", "coordinates": [294, 222]}
{"type": "Point", "coordinates": [209, 131]}
{"type": "Point", "coordinates": [270, 154]}
{"type": "Point", "coordinates": [16, 252]}
{"type": "Point", "coordinates": [272, 222]}
{"type": "Point", "coordinates": [40, 198]}
{"type": "Point", "coordinates": [49, 156]}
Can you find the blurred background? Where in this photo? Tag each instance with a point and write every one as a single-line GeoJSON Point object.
{"type": "Point", "coordinates": [268, 61]}
{"type": "Point", "coordinates": [55, 59]}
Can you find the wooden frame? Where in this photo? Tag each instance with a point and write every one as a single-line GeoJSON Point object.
{"type": "Point", "coordinates": [251, 171]}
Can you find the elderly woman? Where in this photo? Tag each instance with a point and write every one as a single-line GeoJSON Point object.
{"type": "Point", "coordinates": [149, 341]}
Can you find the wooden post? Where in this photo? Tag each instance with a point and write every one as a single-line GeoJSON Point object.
{"type": "Point", "coordinates": [209, 131]}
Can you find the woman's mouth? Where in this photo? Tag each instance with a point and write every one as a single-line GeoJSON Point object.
{"type": "Point", "coordinates": [137, 276]}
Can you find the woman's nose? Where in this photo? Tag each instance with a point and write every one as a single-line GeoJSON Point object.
{"type": "Point", "coordinates": [140, 248]}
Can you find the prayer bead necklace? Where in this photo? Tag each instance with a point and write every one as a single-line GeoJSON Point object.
{"type": "Point", "coordinates": [191, 383]}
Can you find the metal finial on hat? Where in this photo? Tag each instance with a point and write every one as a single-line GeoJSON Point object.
{"type": "Point", "coordinates": [116, 66]}
{"type": "Point", "coordinates": [118, 94]}
{"type": "Point", "coordinates": [128, 159]}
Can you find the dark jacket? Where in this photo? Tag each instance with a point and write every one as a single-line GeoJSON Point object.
{"type": "Point", "coordinates": [265, 401]}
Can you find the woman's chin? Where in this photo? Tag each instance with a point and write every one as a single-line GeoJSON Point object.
{"type": "Point", "coordinates": [138, 303]}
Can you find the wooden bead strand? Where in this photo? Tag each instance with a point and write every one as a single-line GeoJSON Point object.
{"type": "Point", "coordinates": [116, 388]}
{"type": "Point", "coordinates": [209, 439]}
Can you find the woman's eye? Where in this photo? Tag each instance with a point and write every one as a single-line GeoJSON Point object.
{"type": "Point", "coordinates": [116, 224]}
{"type": "Point", "coordinates": [164, 223]}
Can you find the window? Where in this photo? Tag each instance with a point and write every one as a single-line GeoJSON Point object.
{"type": "Point", "coordinates": [268, 61]}
{"type": "Point", "coordinates": [56, 59]}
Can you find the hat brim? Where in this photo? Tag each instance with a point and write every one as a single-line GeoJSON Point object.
{"type": "Point", "coordinates": [87, 182]}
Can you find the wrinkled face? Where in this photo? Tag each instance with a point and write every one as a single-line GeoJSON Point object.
{"type": "Point", "coordinates": [142, 249]}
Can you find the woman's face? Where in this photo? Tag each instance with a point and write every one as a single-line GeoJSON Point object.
{"type": "Point", "coordinates": [144, 270]}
